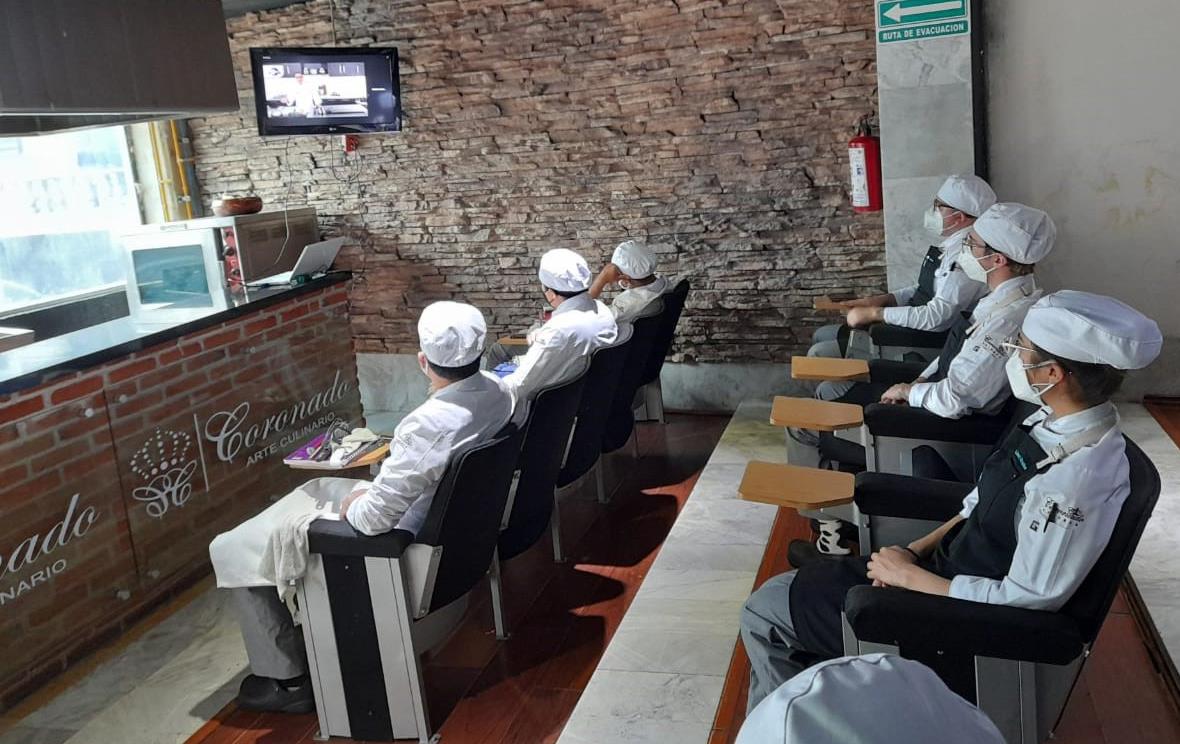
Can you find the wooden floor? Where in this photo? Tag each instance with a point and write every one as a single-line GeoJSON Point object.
{"type": "Point", "coordinates": [522, 691]}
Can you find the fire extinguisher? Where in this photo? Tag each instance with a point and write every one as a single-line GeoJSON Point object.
{"type": "Point", "coordinates": [864, 160]}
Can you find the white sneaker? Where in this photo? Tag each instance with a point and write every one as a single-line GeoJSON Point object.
{"type": "Point", "coordinates": [828, 542]}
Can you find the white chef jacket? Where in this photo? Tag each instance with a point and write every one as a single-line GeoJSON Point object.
{"type": "Point", "coordinates": [954, 293]}
{"type": "Point", "coordinates": [561, 348]}
{"type": "Point", "coordinates": [869, 699]}
{"type": "Point", "coordinates": [1083, 493]}
{"type": "Point", "coordinates": [461, 415]}
{"type": "Point", "coordinates": [630, 303]}
{"type": "Point", "coordinates": [976, 381]}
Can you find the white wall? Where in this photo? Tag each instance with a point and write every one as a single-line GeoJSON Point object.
{"type": "Point", "coordinates": [1084, 115]}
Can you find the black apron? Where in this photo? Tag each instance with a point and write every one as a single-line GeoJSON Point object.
{"type": "Point", "coordinates": [982, 545]}
{"type": "Point", "coordinates": [925, 291]}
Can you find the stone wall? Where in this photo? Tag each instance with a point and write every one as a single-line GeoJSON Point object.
{"type": "Point", "coordinates": [714, 130]}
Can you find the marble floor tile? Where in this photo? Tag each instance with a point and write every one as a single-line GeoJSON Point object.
{"type": "Point", "coordinates": [596, 730]}
{"type": "Point", "coordinates": [691, 583]}
{"type": "Point", "coordinates": [651, 696]}
{"type": "Point", "coordinates": [670, 651]}
{"type": "Point", "coordinates": [710, 557]}
{"type": "Point", "coordinates": [683, 615]}
{"type": "Point", "coordinates": [35, 735]}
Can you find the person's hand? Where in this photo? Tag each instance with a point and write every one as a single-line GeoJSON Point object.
{"type": "Point", "coordinates": [347, 502]}
{"type": "Point", "coordinates": [611, 273]}
{"type": "Point", "coordinates": [891, 567]}
{"type": "Point", "coordinates": [898, 395]}
{"type": "Point", "coordinates": [860, 317]}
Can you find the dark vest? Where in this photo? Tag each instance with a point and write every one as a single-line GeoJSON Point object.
{"type": "Point", "coordinates": [955, 338]}
{"type": "Point", "coordinates": [925, 291]}
{"type": "Point", "coordinates": [983, 544]}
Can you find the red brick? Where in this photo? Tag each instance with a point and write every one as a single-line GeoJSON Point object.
{"type": "Point", "coordinates": [185, 385]}
{"type": "Point", "coordinates": [293, 313]}
{"type": "Point", "coordinates": [257, 326]}
{"type": "Point", "coordinates": [131, 369]}
{"type": "Point", "coordinates": [76, 390]}
{"type": "Point", "coordinates": [21, 408]}
{"type": "Point", "coordinates": [222, 338]}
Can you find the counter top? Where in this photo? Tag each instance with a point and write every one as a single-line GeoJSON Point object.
{"type": "Point", "coordinates": [43, 361]}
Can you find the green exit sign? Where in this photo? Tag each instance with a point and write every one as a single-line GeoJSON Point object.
{"type": "Point", "coordinates": [914, 20]}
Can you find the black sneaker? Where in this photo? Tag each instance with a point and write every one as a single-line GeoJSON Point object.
{"type": "Point", "coordinates": [272, 696]}
{"type": "Point", "coordinates": [802, 552]}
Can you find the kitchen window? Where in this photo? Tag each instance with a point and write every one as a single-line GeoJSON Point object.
{"type": "Point", "coordinates": [64, 199]}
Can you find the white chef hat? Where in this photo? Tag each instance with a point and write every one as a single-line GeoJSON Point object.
{"type": "Point", "coordinates": [967, 193]}
{"type": "Point", "coordinates": [451, 334]}
{"type": "Point", "coordinates": [564, 270]}
{"type": "Point", "coordinates": [634, 259]}
{"type": "Point", "coordinates": [1021, 233]}
{"type": "Point", "coordinates": [870, 699]}
{"type": "Point", "coordinates": [1093, 329]}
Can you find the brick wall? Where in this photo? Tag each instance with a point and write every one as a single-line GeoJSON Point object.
{"type": "Point", "coordinates": [111, 486]}
{"type": "Point", "coordinates": [715, 130]}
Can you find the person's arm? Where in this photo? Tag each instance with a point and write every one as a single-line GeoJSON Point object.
{"type": "Point", "coordinates": [881, 300]}
{"type": "Point", "coordinates": [900, 297]}
{"type": "Point", "coordinates": [416, 463]}
{"type": "Point", "coordinates": [975, 378]}
{"type": "Point", "coordinates": [957, 294]}
{"type": "Point", "coordinates": [609, 275]}
{"type": "Point", "coordinates": [897, 566]}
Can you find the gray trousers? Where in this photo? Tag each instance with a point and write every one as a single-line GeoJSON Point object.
{"type": "Point", "coordinates": [768, 635]}
{"type": "Point", "coordinates": [273, 644]}
{"type": "Point", "coordinates": [824, 344]}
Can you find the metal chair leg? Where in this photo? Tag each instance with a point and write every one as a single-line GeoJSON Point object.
{"type": "Point", "coordinates": [600, 483]}
{"type": "Point", "coordinates": [555, 530]}
{"type": "Point", "coordinates": [495, 584]}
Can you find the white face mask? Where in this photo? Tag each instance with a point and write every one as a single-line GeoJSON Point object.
{"type": "Point", "coordinates": [1017, 372]}
{"type": "Point", "coordinates": [971, 266]}
{"type": "Point", "coordinates": [932, 221]}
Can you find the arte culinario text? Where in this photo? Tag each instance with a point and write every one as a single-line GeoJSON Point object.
{"type": "Point", "coordinates": [229, 433]}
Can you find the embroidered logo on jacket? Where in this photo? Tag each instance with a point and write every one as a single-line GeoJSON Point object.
{"type": "Point", "coordinates": [1066, 518]}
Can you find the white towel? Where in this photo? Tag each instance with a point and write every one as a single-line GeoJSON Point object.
{"type": "Point", "coordinates": [270, 549]}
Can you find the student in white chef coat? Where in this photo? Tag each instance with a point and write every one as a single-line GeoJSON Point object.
{"type": "Point", "coordinates": [633, 267]}
{"type": "Point", "coordinates": [1000, 250]}
{"type": "Point", "coordinates": [560, 349]}
{"type": "Point", "coordinates": [465, 407]}
{"type": "Point", "coordinates": [1040, 516]}
{"type": "Point", "coordinates": [869, 699]}
{"type": "Point", "coordinates": [941, 293]}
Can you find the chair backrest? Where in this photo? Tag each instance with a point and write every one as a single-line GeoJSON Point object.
{"type": "Point", "coordinates": [550, 421]}
{"type": "Point", "coordinates": [606, 365]}
{"type": "Point", "coordinates": [621, 419]}
{"type": "Point", "coordinates": [464, 517]}
{"type": "Point", "coordinates": [673, 307]}
{"type": "Point", "coordinates": [1090, 603]}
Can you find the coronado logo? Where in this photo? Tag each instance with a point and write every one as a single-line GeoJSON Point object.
{"type": "Point", "coordinates": [164, 459]}
{"type": "Point", "coordinates": [227, 429]}
{"type": "Point", "coordinates": [38, 549]}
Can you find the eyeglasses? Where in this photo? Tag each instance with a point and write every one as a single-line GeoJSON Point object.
{"type": "Point", "coordinates": [971, 243]}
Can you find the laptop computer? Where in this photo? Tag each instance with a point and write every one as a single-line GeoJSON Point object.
{"type": "Point", "coordinates": [316, 258]}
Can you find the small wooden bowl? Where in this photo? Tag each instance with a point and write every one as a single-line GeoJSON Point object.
{"type": "Point", "coordinates": [236, 206]}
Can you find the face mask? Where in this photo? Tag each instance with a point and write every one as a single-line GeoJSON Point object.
{"type": "Point", "coordinates": [1017, 372]}
{"type": "Point", "coordinates": [972, 268]}
{"type": "Point", "coordinates": [932, 221]}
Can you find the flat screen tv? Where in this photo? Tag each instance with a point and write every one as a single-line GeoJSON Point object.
{"type": "Point", "coordinates": [332, 90]}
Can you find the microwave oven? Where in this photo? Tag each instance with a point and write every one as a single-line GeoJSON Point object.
{"type": "Point", "coordinates": [166, 262]}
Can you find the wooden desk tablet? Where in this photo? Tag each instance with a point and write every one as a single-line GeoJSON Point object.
{"type": "Point", "coordinates": [823, 368]}
{"type": "Point", "coordinates": [828, 304]}
{"type": "Point", "coordinates": [818, 415]}
{"type": "Point", "coordinates": [795, 487]}
{"type": "Point", "coordinates": [371, 458]}
{"type": "Point", "coordinates": [514, 341]}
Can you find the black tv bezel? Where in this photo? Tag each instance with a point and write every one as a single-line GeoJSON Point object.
{"type": "Point", "coordinates": [268, 130]}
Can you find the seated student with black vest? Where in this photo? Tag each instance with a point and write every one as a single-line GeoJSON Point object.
{"type": "Point", "coordinates": [968, 375]}
{"type": "Point", "coordinates": [940, 294]}
{"type": "Point", "coordinates": [1043, 511]}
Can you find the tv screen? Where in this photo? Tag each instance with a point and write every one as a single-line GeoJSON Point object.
{"type": "Point", "coordinates": [347, 90]}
